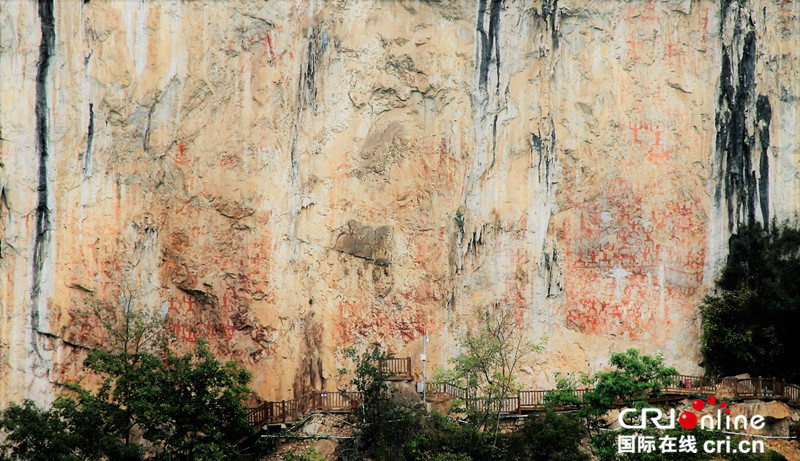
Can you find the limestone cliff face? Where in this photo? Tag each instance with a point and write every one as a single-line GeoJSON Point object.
{"type": "Point", "coordinates": [289, 178]}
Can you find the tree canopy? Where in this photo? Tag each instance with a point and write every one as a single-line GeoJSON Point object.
{"type": "Point", "coordinates": [151, 403]}
{"type": "Point", "coordinates": [751, 324]}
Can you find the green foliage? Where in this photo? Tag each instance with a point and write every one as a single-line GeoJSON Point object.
{"type": "Point", "coordinates": [553, 437]}
{"type": "Point", "coordinates": [548, 436]}
{"type": "Point", "coordinates": [635, 378]}
{"type": "Point", "coordinates": [487, 367]}
{"type": "Point", "coordinates": [184, 407]}
{"type": "Point", "coordinates": [192, 407]}
{"type": "Point", "coordinates": [751, 325]}
{"type": "Point", "coordinates": [439, 437]}
{"type": "Point", "coordinates": [100, 425]}
{"type": "Point", "coordinates": [459, 219]}
{"type": "Point", "coordinates": [384, 425]}
{"type": "Point", "coordinates": [34, 434]}
{"type": "Point", "coordinates": [564, 394]}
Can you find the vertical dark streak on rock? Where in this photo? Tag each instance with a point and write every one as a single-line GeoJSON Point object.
{"type": "Point", "coordinates": [744, 192]}
{"type": "Point", "coordinates": [317, 45]}
{"type": "Point", "coordinates": [489, 48]}
{"type": "Point", "coordinates": [42, 214]}
{"type": "Point", "coordinates": [552, 154]}
{"type": "Point", "coordinates": [308, 76]}
{"type": "Point", "coordinates": [763, 118]}
{"type": "Point", "coordinates": [549, 12]}
{"type": "Point", "coordinates": [494, 39]}
{"type": "Point", "coordinates": [87, 156]}
{"type": "Point", "coordinates": [146, 137]}
{"type": "Point", "coordinates": [484, 51]}
{"type": "Point", "coordinates": [306, 99]}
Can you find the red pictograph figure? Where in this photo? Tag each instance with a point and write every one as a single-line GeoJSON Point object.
{"type": "Point", "coordinates": [180, 158]}
{"type": "Point", "coordinates": [269, 44]}
{"type": "Point", "coordinates": [635, 128]}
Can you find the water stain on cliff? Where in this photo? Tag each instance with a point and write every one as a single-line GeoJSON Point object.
{"type": "Point", "coordinates": [742, 141]}
{"type": "Point", "coordinates": [489, 45]}
{"type": "Point", "coordinates": [315, 49]}
{"type": "Point", "coordinates": [488, 53]}
{"type": "Point", "coordinates": [550, 16]}
{"type": "Point", "coordinates": [307, 99]}
{"type": "Point", "coordinates": [42, 213]}
{"type": "Point", "coordinates": [87, 154]}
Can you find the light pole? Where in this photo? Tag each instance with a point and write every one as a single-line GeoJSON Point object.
{"type": "Point", "coordinates": [424, 358]}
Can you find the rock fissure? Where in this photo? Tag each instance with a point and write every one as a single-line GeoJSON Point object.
{"type": "Point", "coordinates": [42, 214]}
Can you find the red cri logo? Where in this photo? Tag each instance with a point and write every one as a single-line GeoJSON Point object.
{"type": "Point", "coordinates": [688, 420]}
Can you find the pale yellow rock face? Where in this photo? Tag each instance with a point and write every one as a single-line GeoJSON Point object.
{"type": "Point", "coordinates": [288, 179]}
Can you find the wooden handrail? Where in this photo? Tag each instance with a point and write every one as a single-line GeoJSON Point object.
{"type": "Point", "coordinates": [524, 400]}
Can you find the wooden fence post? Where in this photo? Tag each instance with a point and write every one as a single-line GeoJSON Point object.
{"type": "Point", "coordinates": [760, 392]}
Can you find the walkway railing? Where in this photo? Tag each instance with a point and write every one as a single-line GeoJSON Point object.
{"type": "Point", "coordinates": [767, 388]}
{"type": "Point", "coordinates": [400, 368]}
{"type": "Point", "coordinates": [524, 401]}
{"type": "Point", "coordinates": [294, 409]}
{"type": "Point", "coordinates": [681, 385]}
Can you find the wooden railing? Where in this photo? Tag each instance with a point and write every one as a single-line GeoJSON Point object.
{"type": "Point", "coordinates": [523, 401]}
{"type": "Point", "coordinates": [766, 388]}
{"type": "Point", "coordinates": [680, 385]}
{"type": "Point", "coordinates": [399, 368]}
{"type": "Point", "coordinates": [447, 388]}
{"type": "Point", "coordinates": [294, 409]}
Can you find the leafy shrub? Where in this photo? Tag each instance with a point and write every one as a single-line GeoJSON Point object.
{"type": "Point", "coordinates": [553, 437]}
{"type": "Point", "coordinates": [750, 326]}
{"type": "Point", "coordinates": [635, 378]}
{"type": "Point", "coordinates": [185, 407]}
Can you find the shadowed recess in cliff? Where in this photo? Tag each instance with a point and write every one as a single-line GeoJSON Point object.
{"type": "Point", "coordinates": [743, 170]}
{"type": "Point", "coordinates": [42, 214]}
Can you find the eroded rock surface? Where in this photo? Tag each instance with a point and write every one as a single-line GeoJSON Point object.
{"type": "Point", "coordinates": [289, 179]}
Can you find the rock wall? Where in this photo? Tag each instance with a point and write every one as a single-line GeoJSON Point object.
{"type": "Point", "coordinates": [289, 179]}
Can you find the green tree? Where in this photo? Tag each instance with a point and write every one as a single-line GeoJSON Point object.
{"type": "Point", "coordinates": [553, 437]}
{"type": "Point", "coordinates": [750, 325]}
{"type": "Point", "coordinates": [184, 407]}
{"type": "Point", "coordinates": [33, 434]}
{"type": "Point", "coordinates": [384, 424]}
{"type": "Point", "coordinates": [487, 368]}
{"type": "Point", "coordinates": [98, 424]}
{"type": "Point", "coordinates": [634, 379]}
{"type": "Point", "coordinates": [565, 394]}
{"type": "Point", "coordinates": [192, 406]}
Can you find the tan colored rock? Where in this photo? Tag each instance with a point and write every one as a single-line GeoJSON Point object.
{"type": "Point", "coordinates": [772, 411]}
{"type": "Point", "coordinates": [289, 178]}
